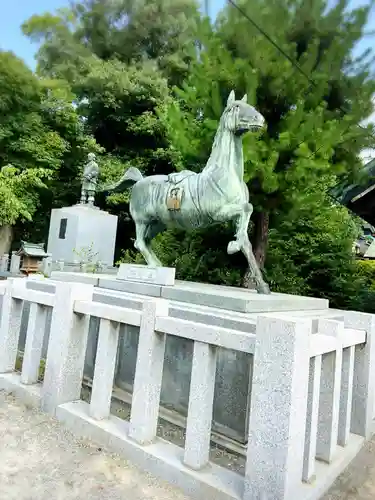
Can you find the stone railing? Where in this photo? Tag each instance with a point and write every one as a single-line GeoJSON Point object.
{"type": "Point", "coordinates": [312, 396]}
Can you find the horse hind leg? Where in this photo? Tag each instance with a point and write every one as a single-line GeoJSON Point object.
{"type": "Point", "coordinates": [242, 243]}
{"type": "Point", "coordinates": [144, 234]}
{"type": "Point", "coordinates": [247, 250]}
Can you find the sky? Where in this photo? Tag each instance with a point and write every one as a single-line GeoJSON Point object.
{"type": "Point", "coordinates": [14, 12]}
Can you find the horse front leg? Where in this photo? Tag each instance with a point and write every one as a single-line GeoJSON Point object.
{"type": "Point", "coordinates": [261, 285]}
{"type": "Point", "coordinates": [242, 215]}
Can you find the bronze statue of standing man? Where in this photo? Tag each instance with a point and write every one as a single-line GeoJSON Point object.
{"type": "Point", "coordinates": [89, 181]}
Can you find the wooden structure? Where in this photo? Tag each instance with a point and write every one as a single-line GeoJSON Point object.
{"type": "Point", "coordinates": [32, 254]}
{"type": "Point", "coordinates": [359, 198]}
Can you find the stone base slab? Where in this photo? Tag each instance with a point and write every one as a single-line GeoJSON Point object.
{"type": "Point", "coordinates": [220, 297]}
{"type": "Point", "coordinates": [224, 298]}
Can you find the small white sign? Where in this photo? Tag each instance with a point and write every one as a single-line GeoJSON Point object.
{"type": "Point", "coordinates": [147, 274]}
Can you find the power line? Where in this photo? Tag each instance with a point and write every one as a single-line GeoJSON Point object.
{"type": "Point", "coordinates": [287, 56]}
{"type": "Point", "coordinates": [206, 8]}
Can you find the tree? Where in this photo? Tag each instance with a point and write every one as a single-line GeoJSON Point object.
{"type": "Point", "coordinates": [312, 108]}
{"type": "Point", "coordinates": [118, 58]}
{"type": "Point", "coordinates": [128, 30]}
{"type": "Point", "coordinates": [29, 150]}
{"type": "Point", "coordinates": [310, 252]}
{"type": "Point", "coordinates": [42, 139]}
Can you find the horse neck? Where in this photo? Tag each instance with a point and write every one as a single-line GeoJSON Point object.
{"type": "Point", "coordinates": [226, 157]}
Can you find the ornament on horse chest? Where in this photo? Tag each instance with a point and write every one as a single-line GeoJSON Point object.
{"type": "Point", "coordinates": [174, 198]}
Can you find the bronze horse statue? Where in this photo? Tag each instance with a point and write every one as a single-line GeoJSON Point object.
{"type": "Point", "coordinates": [188, 200]}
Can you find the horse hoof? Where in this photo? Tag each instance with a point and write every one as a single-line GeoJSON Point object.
{"type": "Point", "coordinates": [233, 247]}
{"type": "Point", "coordinates": [263, 288]}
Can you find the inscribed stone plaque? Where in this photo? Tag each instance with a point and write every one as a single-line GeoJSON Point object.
{"type": "Point", "coordinates": [62, 231]}
{"type": "Point", "coordinates": [147, 274]}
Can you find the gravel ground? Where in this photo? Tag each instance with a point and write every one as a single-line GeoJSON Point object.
{"type": "Point", "coordinates": [39, 460]}
{"type": "Point", "coordinates": [357, 482]}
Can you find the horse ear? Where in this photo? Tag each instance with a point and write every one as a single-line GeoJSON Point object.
{"type": "Point", "coordinates": [244, 99]}
{"type": "Point", "coordinates": [231, 98]}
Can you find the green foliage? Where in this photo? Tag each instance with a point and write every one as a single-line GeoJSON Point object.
{"type": "Point", "coordinates": [310, 252]}
{"type": "Point", "coordinates": [130, 31]}
{"type": "Point", "coordinates": [18, 198]}
{"type": "Point", "coordinates": [365, 296]}
{"type": "Point", "coordinates": [43, 143]}
{"type": "Point", "coordinates": [191, 257]}
{"type": "Point", "coordinates": [30, 151]}
{"type": "Point", "coordinates": [366, 269]}
{"type": "Point", "coordinates": [88, 258]}
{"type": "Point", "coordinates": [311, 129]}
{"type": "Point", "coordinates": [25, 139]}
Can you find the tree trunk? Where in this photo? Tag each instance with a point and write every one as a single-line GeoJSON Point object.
{"type": "Point", "coordinates": [6, 238]}
{"type": "Point", "coordinates": [260, 242]}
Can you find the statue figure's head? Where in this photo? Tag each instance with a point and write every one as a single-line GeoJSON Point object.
{"type": "Point", "coordinates": [91, 157]}
{"type": "Point", "coordinates": [239, 117]}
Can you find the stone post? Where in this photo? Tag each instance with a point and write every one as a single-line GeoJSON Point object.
{"type": "Point", "coordinates": [330, 389]}
{"type": "Point", "coordinates": [10, 324]}
{"type": "Point", "coordinates": [4, 262]}
{"type": "Point", "coordinates": [34, 343]}
{"type": "Point", "coordinates": [15, 263]}
{"type": "Point", "coordinates": [201, 398]}
{"type": "Point", "coordinates": [67, 347]}
{"type": "Point", "coordinates": [47, 265]}
{"type": "Point", "coordinates": [148, 374]}
{"type": "Point", "coordinates": [104, 371]}
{"type": "Point", "coordinates": [278, 409]}
{"type": "Point", "coordinates": [362, 410]}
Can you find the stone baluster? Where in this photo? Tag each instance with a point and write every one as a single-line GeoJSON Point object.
{"type": "Point", "coordinates": [15, 263]}
{"type": "Point", "coordinates": [105, 364]}
{"type": "Point", "coordinates": [330, 388]}
{"type": "Point", "coordinates": [277, 421]}
{"type": "Point", "coordinates": [67, 347]}
{"type": "Point", "coordinates": [10, 324]}
{"type": "Point", "coordinates": [34, 343]}
{"type": "Point", "coordinates": [362, 411]}
{"type": "Point", "coordinates": [199, 419]}
{"type": "Point", "coordinates": [148, 374]}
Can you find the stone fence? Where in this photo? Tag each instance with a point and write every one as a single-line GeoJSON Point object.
{"type": "Point", "coordinates": [312, 394]}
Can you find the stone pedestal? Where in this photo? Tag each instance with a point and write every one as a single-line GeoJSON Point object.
{"type": "Point", "coordinates": [79, 227]}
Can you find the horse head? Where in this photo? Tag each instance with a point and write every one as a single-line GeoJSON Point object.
{"type": "Point", "coordinates": [239, 117]}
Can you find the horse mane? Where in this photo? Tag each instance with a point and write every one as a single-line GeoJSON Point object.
{"type": "Point", "coordinates": [220, 129]}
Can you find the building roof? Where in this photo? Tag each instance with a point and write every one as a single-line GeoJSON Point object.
{"type": "Point", "coordinates": [359, 198]}
{"type": "Point", "coordinates": [32, 249]}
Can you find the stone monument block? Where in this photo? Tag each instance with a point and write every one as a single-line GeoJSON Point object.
{"type": "Point", "coordinates": [78, 228]}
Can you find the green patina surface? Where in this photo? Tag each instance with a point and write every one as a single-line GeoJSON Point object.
{"type": "Point", "coordinates": [187, 200]}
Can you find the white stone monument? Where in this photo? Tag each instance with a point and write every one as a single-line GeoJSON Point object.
{"type": "Point", "coordinates": [81, 228]}
{"type": "Point", "coordinates": [83, 232]}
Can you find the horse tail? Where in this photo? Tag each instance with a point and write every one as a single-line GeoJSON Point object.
{"type": "Point", "coordinates": [130, 177]}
